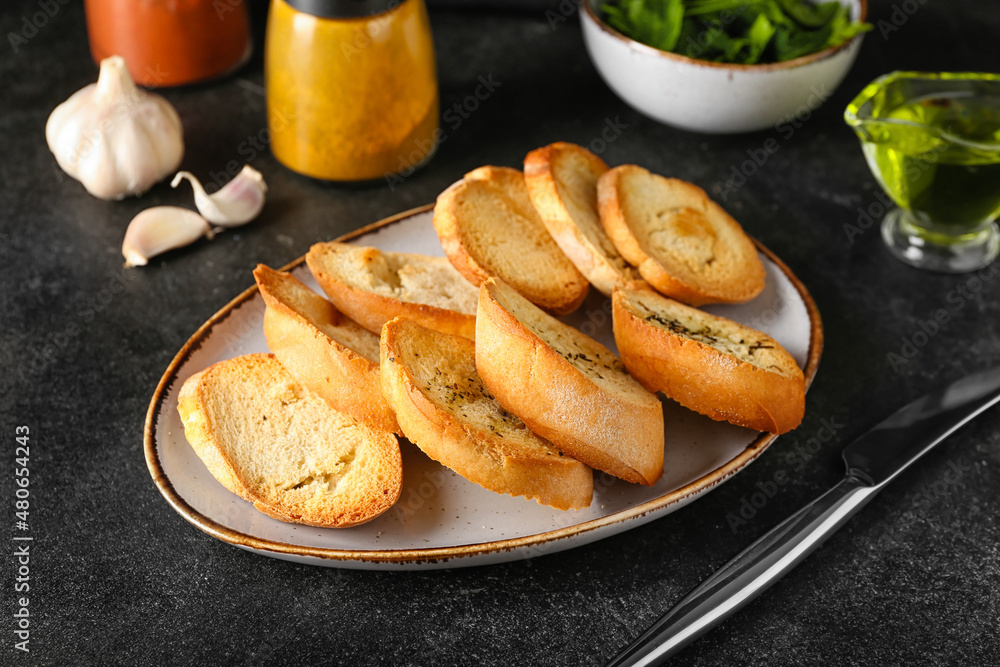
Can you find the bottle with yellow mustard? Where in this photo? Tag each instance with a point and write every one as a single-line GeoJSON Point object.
{"type": "Point", "coordinates": [352, 89]}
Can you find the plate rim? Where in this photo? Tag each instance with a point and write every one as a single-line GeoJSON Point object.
{"type": "Point", "coordinates": [437, 555]}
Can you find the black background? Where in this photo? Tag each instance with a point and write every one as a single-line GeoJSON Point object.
{"type": "Point", "coordinates": [118, 578]}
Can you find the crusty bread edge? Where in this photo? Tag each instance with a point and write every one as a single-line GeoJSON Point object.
{"type": "Point", "coordinates": [309, 355]}
{"type": "Point", "coordinates": [613, 218]}
{"type": "Point", "coordinates": [154, 433]}
{"type": "Point", "coordinates": [618, 230]}
{"type": "Point", "coordinates": [560, 483]}
{"type": "Point", "coordinates": [200, 435]}
{"type": "Point", "coordinates": [372, 310]}
{"type": "Point", "coordinates": [705, 379]}
{"type": "Point", "coordinates": [323, 366]}
{"type": "Point", "coordinates": [540, 386]}
{"type": "Point", "coordinates": [542, 187]}
{"type": "Point", "coordinates": [450, 236]}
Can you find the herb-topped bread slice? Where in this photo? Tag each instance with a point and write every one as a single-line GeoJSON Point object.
{"type": "Point", "coordinates": [442, 406]}
{"type": "Point", "coordinates": [273, 442]}
{"type": "Point", "coordinates": [372, 287]}
{"type": "Point", "coordinates": [685, 245]}
{"type": "Point", "coordinates": [489, 227]}
{"type": "Point", "coordinates": [708, 363]}
{"type": "Point", "coordinates": [562, 184]}
{"type": "Point", "coordinates": [324, 351]}
{"type": "Point", "coordinates": [567, 387]}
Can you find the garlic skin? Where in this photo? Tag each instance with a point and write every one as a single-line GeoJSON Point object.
{"type": "Point", "coordinates": [115, 138]}
{"type": "Point", "coordinates": [159, 229]}
{"type": "Point", "coordinates": [238, 202]}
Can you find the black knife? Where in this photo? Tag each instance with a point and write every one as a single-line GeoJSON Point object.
{"type": "Point", "coordinates": [873, 460]}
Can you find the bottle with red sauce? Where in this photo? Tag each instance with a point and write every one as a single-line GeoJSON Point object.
{"type": "Point", "coordinates": [171, 42]}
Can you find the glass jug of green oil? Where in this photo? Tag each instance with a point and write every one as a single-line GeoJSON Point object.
{"type": "Point", "coordinates": [933, 143]}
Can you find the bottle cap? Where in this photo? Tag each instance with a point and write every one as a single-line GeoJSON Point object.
{"type": "Point", "coordinates": [343, 9]}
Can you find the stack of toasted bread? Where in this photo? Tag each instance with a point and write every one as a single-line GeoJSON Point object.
{"type": "Point", "coordinates": [466, 358]}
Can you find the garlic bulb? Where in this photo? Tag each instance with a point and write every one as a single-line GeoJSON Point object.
{"type": "Point", "coordinates": [238, 202]}
{"type": "Point", "coordinates": [114, 137]}
{"type": "Point", "coordinates": [159, 229]}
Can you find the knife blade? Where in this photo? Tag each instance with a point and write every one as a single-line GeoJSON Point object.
{"type": "Point", "coordinates": [873, 460]}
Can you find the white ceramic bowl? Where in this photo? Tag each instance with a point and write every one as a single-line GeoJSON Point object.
{"type": "Point", "coordinates": [715, 97]}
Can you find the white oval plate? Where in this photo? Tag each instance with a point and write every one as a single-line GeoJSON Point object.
{"type": "Point", "coordinates": [441, 519]}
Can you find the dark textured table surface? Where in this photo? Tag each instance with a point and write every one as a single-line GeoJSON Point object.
{"type": "Point", "coordinates": [118, 578]}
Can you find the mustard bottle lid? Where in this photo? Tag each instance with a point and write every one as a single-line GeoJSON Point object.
{"type": "Point", "coordinates": [343, 9]}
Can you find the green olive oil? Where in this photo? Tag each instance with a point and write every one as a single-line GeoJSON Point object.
{"type": "Point", "coordinates": [938, 157]}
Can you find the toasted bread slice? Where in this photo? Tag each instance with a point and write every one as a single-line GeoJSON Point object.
{"type": "Point", "coordinates": [273, 442]}
{"type": "Point", "coordinates": [685, 245]}
{"type": "Point", "coordinates": [372, 287]}
{"type": "Point", "coordinates": [707, 363]}
{"type": "Point", "coordinates": [443, 407]}
{"type": "Point", "coordinates": [562, 183]}
{"type": "Point", "coordinates": [324, 351]}
{"type": "Point", "coordinates": [567, 387]}
{"type": "Point", "coordinates": [489, 227]}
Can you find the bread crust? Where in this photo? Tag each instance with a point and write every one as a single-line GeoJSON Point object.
{"type": "Point", "coordinates": [619, 434]}
{"type": "Point", "coordinates": [372, 310]}
{"type": "Point", "coordinates": [348, 381]}
{"type": "Point", "coordinates": [199, 434]}
{"type": "Point", "coordinates": [733, 272]}
{"type": "Point", "coordinates": [217, 435]}
{"type": "Point", "coordinates": [569, 210]}
{"type": "Point", "coordinates": [708, 380]}
{"type": "Point", "coordinates": [464, 444]}
{"type": "Point", "coordinates": [489, 212]}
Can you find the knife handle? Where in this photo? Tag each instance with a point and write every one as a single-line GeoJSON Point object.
{"type": "Point", "coordinates": [748, 574]}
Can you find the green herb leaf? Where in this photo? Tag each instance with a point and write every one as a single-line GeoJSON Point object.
{"type": "Point", "coordinates": [759, 35]}
{"type": "Point", "coordinates": [789, 44]}
{"type": "Point", "coordinates": [735, 31]}
{"type": "Point", "coordinates": [810, 15]}
{"type": "Point", "coordinates": [673, 19]}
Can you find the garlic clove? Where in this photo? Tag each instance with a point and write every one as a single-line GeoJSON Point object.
{"type": "Point", "coordinates": [238, 202]}
{"type": "Point", "coordinates": [159, 229]}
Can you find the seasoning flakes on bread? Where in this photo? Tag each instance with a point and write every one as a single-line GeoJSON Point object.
{"type": "Point", "coordinates": [709, 364]}
{"type": "Point", "coordinates": [464, 357]}
{"type": "Point", "coordinates": [443, 407]}
{"type": "Point", "coordinates": [567, 387]}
